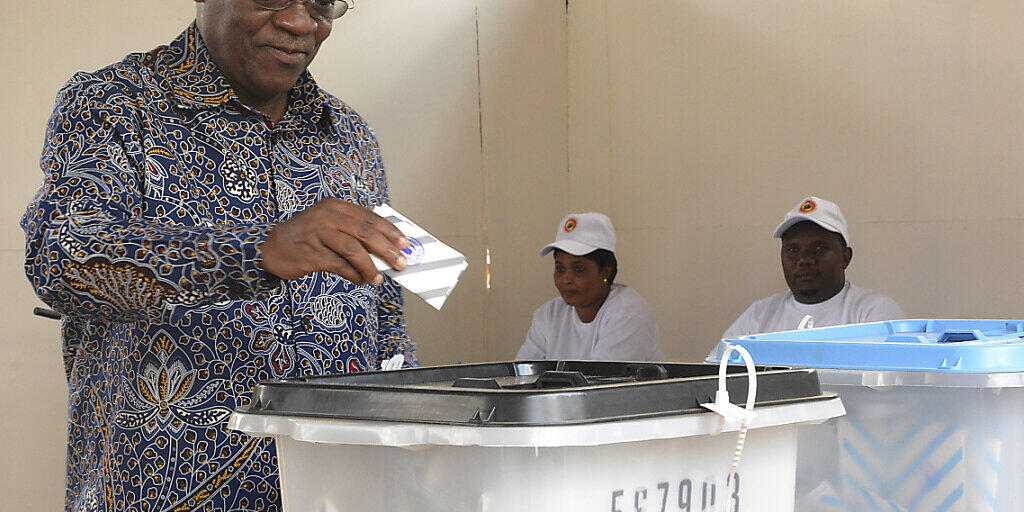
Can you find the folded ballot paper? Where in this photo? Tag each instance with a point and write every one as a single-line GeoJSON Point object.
{"type": "Point", "coordinates": [434, 268]}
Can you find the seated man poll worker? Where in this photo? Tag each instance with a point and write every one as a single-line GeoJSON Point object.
{"type": "Point", "coordinates": [204, 223]}
{"type": "Point", "coordinates": [594, 317]}
{"type": "Point", "coordinates": [815, 255]}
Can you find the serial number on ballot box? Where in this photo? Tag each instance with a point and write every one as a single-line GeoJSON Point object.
{"type": "Point", "coordinates": [685, 495]}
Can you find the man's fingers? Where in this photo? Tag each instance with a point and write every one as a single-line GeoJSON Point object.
{"type": "Point", "coordinates": [337, 237]}
{"type": "Point", "coordinates": [392, 233]}
{"type": "Point", "coordinates": [375, 233]}
{"type": "Point", "coordinates": [338, 265]}
{"type": "Point", "coordinates": [367, 223]}
{"type": "Point", "coordinates": [352, 251]}
{"type": "Point", "coordinates": [379, 243]}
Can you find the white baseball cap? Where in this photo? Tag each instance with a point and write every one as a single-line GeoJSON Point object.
{"type": "Point", "coordinates": [819, 211]}
{"type": "Point", "coordinates": [583, 233]}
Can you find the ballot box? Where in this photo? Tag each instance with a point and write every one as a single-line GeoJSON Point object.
{"type": "Point", "coordinates": [535, 435]}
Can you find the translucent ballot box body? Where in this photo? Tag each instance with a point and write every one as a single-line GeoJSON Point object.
{"type": "Point", "coordinates": [534, 435]}
{"type": "Point", "coordinates": [935, 414]}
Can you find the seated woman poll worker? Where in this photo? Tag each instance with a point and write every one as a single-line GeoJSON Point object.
{"type": "Point", "coordinates": [593, 318]}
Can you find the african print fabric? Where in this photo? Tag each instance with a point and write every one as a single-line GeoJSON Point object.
{"type": "Point", "coordinates": [159, 187]}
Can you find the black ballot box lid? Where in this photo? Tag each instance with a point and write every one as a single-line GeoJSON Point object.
{"type": "Point", "coordinates": [528, 393]}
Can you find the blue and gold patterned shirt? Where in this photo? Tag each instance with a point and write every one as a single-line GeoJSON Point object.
{"type": "Point", "coordinates": [159, 188]}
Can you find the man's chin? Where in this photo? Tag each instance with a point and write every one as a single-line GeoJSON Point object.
{"type": "Point", "coordinates": [805, 291]}
{"type": "Point", "coordinates": [811, 296]}
{"type": "Point", "coordinates": [806, 285]}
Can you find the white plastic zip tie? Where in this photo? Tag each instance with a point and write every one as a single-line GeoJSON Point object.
{"type": "Point", "coordinates": [730, 413]}
{"type": "Point", "coordinates": [806, 323]}
{"type": "Point", "coordinates": [394, 363]}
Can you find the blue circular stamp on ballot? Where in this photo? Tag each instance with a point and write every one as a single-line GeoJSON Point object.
{"type": "Point", "coordinates": [414, 253]}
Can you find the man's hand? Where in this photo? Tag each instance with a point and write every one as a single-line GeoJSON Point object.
{"type": "Point", "coordinates": [333, 236]}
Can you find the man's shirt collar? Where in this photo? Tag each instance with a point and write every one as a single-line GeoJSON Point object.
{"type": "Point", "coordinates": [196, 82]}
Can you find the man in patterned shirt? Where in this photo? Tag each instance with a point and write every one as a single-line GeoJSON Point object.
{"type": "Point", "coordinates": [204, 224]}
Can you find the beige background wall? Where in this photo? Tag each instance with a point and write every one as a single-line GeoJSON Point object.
{"type": "Point", "coordinates": [698, 124]}
{"type": "Point", "coordinates": [694, 124]}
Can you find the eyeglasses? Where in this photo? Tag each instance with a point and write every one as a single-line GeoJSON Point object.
{"type": "Point", "coordinates": [324, 10]}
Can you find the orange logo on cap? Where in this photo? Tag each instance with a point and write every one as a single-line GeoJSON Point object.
{"type": "Point", "coordinates": [570, 225]}
{"type": "Point", "coordinates": [808, 206]}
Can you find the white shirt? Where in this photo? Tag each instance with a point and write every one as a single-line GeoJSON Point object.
{"type": "Point", "coordinates": [623, 330]}
{"type": "Point", "coordinates": [782, 312]}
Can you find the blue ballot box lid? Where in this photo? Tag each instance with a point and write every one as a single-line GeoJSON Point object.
{"type": "Point", "coordinates": [954, 346]}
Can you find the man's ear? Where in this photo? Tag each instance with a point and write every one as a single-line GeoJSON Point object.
{"type": "Point", "coordinates": [847, 257]}
{"type": "Point", "coordinates": [605, 273]}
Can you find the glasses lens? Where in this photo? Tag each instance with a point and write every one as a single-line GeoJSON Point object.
{"type": "Point", "coordinates": [321, 9]}
{"type": "Point", "coordinates": [341, 7]}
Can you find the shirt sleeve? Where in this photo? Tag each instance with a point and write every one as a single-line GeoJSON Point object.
{"type": "Point", "coordinates": [745, 324]}
{"type": "Point", "coordinates": [633, 337]}
{"type": "Point", "coordinates": [881, 308]}
{"type": "Point", "coordinates": [89, 252]}
{"type": "Point", "coordinates": [392, 336]}
{"type": "Point", "coordinates": [536, 343]}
